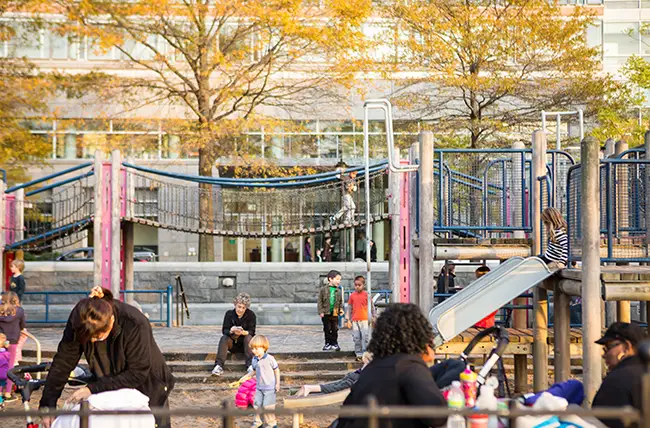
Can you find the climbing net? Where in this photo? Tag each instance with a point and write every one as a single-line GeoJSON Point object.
{"type": "Point", "coordinates": [251, 207]}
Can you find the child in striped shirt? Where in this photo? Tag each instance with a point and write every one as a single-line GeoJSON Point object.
{"type": "Point", "coordinates": [557, 250]}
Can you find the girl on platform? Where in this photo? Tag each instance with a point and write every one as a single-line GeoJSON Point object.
{"type": "Point", "coordinates": [557, 249]}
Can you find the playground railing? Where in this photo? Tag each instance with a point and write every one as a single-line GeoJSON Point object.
{"type": "Point", "coordinates": [162, 297]}
{"type": "Point", "coordinates": [623, 214]}
{"type": "Point", "coordinates": [481, 192]}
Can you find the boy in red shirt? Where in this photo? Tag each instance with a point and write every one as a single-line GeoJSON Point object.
{"type": "Point", "coordinates": [488, 321]}
{"type": "Point", "coordinates": [356, 316]}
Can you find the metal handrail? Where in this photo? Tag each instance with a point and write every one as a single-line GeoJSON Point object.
{"type": "Point", "coordinates": [385, 105]}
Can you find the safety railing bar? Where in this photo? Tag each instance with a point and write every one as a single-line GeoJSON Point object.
{"type": "Point", "coordinates": [48, 177]}
{"type": "Point", "coordinates": [60, 183]}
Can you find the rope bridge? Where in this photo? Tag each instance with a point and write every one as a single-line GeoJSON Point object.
{"type": "Point", "coordinates": [275, 207]}
{"type": "Point", "coordinates": [54, 216]}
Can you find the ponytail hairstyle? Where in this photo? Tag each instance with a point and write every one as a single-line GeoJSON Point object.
{"type": "Point", "coordinates": [95, 314]}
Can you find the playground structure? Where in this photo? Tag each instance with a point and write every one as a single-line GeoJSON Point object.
{"type": "Point", "coordinates": [444, 204]}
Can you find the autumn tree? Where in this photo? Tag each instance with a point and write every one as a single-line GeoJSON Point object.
{"type": "Point", "coordinates": [223, 61]}
{"type": "Point", "coordinates": [487, 68]}
{"type": "Point", "coordinates": [24, 95]}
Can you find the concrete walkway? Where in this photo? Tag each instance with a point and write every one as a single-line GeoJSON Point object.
{"type": "Point", "coordinates": [204, 339]}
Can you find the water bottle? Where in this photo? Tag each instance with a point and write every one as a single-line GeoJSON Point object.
{"type": "Point", "coordinates": [469, 385]}
{"type": "Point", "coordinates": [486, 401]}
{"type": "Point", "coordinates": [456, 401]}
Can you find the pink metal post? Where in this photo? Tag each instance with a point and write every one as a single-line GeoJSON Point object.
{"type": "Point", "coordinates": [10, 219]}
{"type": "Point", "coordinates": [106, 226]}
{"type": "Point", "coordinates": [405, 241]}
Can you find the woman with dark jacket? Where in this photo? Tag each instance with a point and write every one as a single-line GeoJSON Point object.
{"type": "Point", "coordinates": [622, 385]}
{"type": "Point", "coordinates": [401, 345]}
{"type": "Point", "coordinates": [117, 341]}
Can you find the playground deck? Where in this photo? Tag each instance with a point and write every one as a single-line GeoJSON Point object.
{"type": "Point", "coordinates": [521, 342]}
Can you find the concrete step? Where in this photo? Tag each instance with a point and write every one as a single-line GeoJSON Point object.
{"type": "Point", "coordinates": [288, 378]}
{"type": "Point", "coordinates": [285, 365]}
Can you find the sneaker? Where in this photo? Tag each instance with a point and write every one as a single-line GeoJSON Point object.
{"type": "Point", "coordinates": [249, 369]}
{"type": "Point", "coordinates": [327, 347]}
{"type": "Point", "coordinates": [217, 370]}
{"type": "Point", "coordinates": [10, 398]}
{"type": "Point", "coordinates": [359, 358]}
{"type": "Point", "coordinates": [335, 348]}
{"type": "Point", "coordinates": [332, 220]}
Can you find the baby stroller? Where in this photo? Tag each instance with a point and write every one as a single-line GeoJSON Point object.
{"type": "Point", "coordinates": [501, 339]}
{"type": "Point", "coordinates": [26, 385]}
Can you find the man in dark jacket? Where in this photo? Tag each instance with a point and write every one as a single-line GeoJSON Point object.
{"type": "Point", "coordinates": [622, 385]}
{"type": "Point", "coordinates": [237, 330]}
{"type": "Point", "coordinates": [123, 354]}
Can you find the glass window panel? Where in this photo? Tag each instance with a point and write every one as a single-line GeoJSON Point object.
{"type": "Point", "coordinates": [135, 125]}
{"type": "Point", "coordinates": [171, 146]}
{"type": "Point", "coordinates": [378, 146]}
{"type": "Point", "coordinates": [303, 146]}
{"type": "Point", "coordinates": [621, 4]}
{"type": "Point", "coordinates": [56, 46]}
{"type": "Point", "coordinates": [328, 146]}
{"type": "Point", "coordinates": [351, 146]}
{"type": "Point", "coordinates": [335, 126]}
{"type": "Point", "coordinates": [273, 149]}
{"type": "Point", "coordinates": [645, 38]}
{"type": "Point", "coordinates": [595, 34]}
{"type": "Point", "coordinates": [26, 42]}
{"type": "Point", "coordinates": [138, 50]}
{"type": "Point", "coordinates": [292, 249]}
{"type": "Point", "coordinates": [95, 52]}
{"type": "Point", "coordinates": [620, 38]}
{"type": "Point", "coordinates": [252, 252]}
{"type": "Point", "coordinates": [229, 249]}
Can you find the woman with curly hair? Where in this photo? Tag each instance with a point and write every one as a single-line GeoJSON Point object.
{"type": "Point", "coordinates": [402, 345]}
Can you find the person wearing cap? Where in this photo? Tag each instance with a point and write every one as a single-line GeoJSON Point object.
{"type": "Point", "coordinates": [622, 385]}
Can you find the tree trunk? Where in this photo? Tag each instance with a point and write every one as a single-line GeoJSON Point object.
{"type": "Point", "coordinates": [206, 206]}
{"type": "Point", "coordinates": [476, 196]}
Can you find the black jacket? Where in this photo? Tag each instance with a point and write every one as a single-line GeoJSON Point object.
{"type": "Point", "coordinates": [248, 322]}
{"type": "Point", "coordinates": [401, 380]}
{"type": "Point", "coordinates": [17, 285]}
{"type": "Point", "coordinates": [136, 360]}
{"type": "Point", "coordinates": [621, 387]}
{"type": "Point", "coordinates": [11, 325]}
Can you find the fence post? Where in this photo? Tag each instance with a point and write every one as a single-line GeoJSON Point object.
{"type": "Point", "coordinates": [412, 233]}
{"type": "Point", "coordinates": [20, 220]}
{"type": "Point", "coordinates": [561, 338]}
{"type": "Point", "coordinates": [3, 219]}
{"type": "Point", "coordinates": [620, 181]}
{"type": "Point", "coordinates": [170, 290]}
{"type": "Point", "coordinates": [427, 285]}
{"type": "Point", "coordinates": [97, 221]}
{"type": "Point", "coordinates": [84, 417]}
{"type": "Point", "coordinates": [540, 295]}
{"type": "Point", "coordinates": [394, 194]}
{"type": "Point", "coordinates": [373, 408]}
{"type": "Point", "coordinates": [644, 354]}
{"type": "Point", "coordinates": [591, 301]}
{"type": "Point", "coordinates": [646, 139]}
{"type": "Point", "coordinates": [228, 420]}
{"type": "Point", "coordinates": [116, 236]}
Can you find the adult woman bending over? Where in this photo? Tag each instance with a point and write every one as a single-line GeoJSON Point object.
{"type": "Point", "coordinates": [117, 341]}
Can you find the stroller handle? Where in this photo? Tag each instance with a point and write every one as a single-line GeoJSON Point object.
{"type": "Point", "coordinates": [14, 373]}
{"type": "Point", "coordinates": [502, 339]}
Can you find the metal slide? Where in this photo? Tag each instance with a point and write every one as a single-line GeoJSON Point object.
{"type": "Point", "coordinates": [485, 295]}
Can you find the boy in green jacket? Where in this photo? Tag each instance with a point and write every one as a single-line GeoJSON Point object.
{"type": "Point", "coordinates": [330, 306]}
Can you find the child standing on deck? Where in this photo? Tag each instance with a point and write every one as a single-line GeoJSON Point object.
{"type": "Point", "coordinates": [17, 283]}
{"type": "Point", "coordinates": [557, 249]}
{"type": "Point", "coordinates": [356, 316]}
{"type": "Point", "coordinates": [330, 306]}
{"type": "Point", "coordinates": [267, 373]}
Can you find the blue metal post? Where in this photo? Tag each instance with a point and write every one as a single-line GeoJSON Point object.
{"type": "Point", "coordinates": [608, 211]}
{"type": "Point", "coordinates": [169, 306]}
{"type": "Point", "coordinates": [440, 190]}
{"type": "Point", "coordinates": [569, 230]}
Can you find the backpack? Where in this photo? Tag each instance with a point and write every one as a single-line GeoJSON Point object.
{"type": "Point", "coordinates": [246, 394]}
